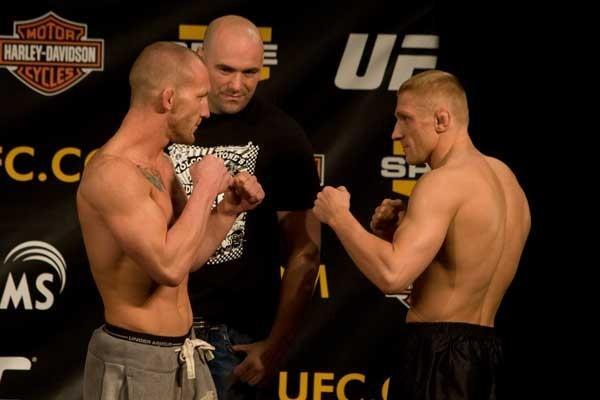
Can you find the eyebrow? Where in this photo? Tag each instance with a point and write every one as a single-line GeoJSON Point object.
{"type": "Point", "coordinates": [225, 66]}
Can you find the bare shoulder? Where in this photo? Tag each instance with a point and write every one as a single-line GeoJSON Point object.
{"type": "Point", "coordinates": [166, 165]}
{"type": "Point", "coordinates": [442, 180]}
{"type": "Point", "coordinates": [503, 172]}
{"type": "Point", "coordinates": [500, 167]}
{"type": "Point", "coordinates": [442, 186]}
{"type": "Point", "coordinates": [511, 186]}
{"type": "Point", "coordinates": [104, 174]}
{"type": "Point", "coordinates": [104, 168]}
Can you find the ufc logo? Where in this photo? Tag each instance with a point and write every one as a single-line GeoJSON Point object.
{"type": "Point", "coordinates": [14, 364]}
{"type": "Point", "coordinates": [347, 78]}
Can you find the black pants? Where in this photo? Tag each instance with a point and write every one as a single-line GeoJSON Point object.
{"type": "Point", "coordinates": [448, 361]}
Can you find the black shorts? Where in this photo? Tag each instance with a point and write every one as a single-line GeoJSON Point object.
{"type": "Point", "coordinates": [448, 361]}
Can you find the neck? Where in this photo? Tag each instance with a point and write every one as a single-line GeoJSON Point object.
{"type": "Point", "coordinates": [142, 136]}
{"type": "Point", "coordinates": [448, 143]}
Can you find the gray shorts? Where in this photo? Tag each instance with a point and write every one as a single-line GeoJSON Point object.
{"type": "Point", "coordinates": [132, 367]}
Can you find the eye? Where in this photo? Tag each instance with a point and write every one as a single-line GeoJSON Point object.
{"type": "Point", "coordinates": [225, 69]}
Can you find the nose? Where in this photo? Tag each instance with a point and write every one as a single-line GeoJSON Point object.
{"type": "Point", "coordinates": [236, 81]}
{"type": "Point", "coordinates": [204, 110]}
{"type": "Point", "coordinates": [396, 134]}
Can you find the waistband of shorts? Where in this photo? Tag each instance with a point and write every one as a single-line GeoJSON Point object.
{"type": "Point", "coordinates": [144, 338]}
{"type": "Point", "coordinates": [451, 329]}
{"type": "Point", "coordinates": [203, 323]}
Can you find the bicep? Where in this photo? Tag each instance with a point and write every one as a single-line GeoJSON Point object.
{"type": "Point", "coordinates": [133, 218]}
{"type": "Point", "coordinates": [421, 233]}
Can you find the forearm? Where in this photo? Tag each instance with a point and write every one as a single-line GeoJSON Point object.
{"type": "Point", "coordinates": [183, 238]}
{"type": "Point", "coordinates": [220, 223]}
{"type": "Point", "coordinates": [297, 287]}
{"type": "Point", "coordinates": [375, 257]}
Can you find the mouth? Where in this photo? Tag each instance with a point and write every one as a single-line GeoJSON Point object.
{"type": "Point", "coordinates": [232, 97]}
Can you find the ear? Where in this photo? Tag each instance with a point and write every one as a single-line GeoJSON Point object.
{"type": "Point", "coordinates": [200, 52]}
{"type": "Point", "coordinates": [442, 120]}
{"type": "Point", "coordinates": [167, 97]}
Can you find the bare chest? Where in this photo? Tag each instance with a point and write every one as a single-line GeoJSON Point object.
{"type": "Point", "coordinates": [164, 191]}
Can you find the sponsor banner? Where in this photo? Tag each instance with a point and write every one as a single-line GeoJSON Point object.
{"type": "Point", "coordinates": [50, 54]}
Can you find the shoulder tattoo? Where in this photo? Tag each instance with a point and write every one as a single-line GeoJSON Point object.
{"type": "Point", "coordinates": [153, 177]}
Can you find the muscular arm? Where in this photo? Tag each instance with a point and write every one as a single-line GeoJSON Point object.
{"type": "Point", "coordinates": [302, 239]}
{"type": "Point", "coordinates": [392, 267]}
{"type": "Point", "coordinates": [244, 194]}
{"type": "Point", "coordinates": [119, 193]}
{"type": "Point", "coordinates": [302, 236]}
{"type": "Point", "coordinates": [220, 223]}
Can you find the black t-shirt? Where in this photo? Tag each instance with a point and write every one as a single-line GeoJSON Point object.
{"type": "Point", "coordinates": [239, 285]}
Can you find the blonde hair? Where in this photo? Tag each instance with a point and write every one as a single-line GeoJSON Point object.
{"type": "Point", "coordinates": [435, 87]}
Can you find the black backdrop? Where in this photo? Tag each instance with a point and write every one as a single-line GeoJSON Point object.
{"type": "Point", "coordinates": [346, 347]}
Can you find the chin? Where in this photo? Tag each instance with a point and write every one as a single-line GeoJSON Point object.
{"type": "Point", "coordinates": [412, 161]}
{"type": "Point", "coordinates": [233, 107]}
{"type": "Point", "coordinates": [187, 139]}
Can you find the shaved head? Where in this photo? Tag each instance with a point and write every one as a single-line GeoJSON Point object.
{"type": "Point", "coordinates": [233, 53]}
{"type": "Point", "coordinates": [435, 89]}
{"type": "Point", "coordinates": [227, 26]}
{"type": "Point", "coordinates": [159, 66]}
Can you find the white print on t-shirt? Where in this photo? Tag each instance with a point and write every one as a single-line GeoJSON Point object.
{"type": "Point", "coordinates": [237, 158]}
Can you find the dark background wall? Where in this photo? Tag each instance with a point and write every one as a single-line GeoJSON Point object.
{"type": "Point", "coordinates": [497, 50]}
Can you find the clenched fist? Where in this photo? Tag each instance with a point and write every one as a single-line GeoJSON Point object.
{"type": "Point", "coordinates": [210, 173]}
{"type": "Point", "coordinates": [386, 218]}
{"type": "Point", "coordinates": [244, 194]}
{"type": "Point", "coordinates": [330, 203]}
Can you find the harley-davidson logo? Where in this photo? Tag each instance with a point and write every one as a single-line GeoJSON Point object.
{"type": "Point", "coordinates": [50, 54]}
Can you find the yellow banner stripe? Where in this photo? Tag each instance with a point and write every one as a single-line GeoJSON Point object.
{"type": "Point", "coordinates": [398, 149]}
{"type": "Point", "coordinates": [265, 34]}
{"type": "Point", "coordinates": [403, 187]}
{"type": "Point", "coordinates": [265, 73]}
{"type": "Point", "coordinates": [192, 32]}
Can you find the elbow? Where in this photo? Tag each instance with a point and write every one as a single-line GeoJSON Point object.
{"type": "Point", "coordinates": [172, 281]}
{"type": "Point", "coordinates": [168, 276]}
{"type": "Point", "coordinates": [311, 258]}
{"type": "Point", "coordinates": [393, 283]}
{"type": "Point", "coordinates": [309, 264]}
{"type": "Point", "coordinates": [392, 288]}
{"type": "Point", "coordinates": [306, 261]}
{"type": "Point", "coordinates": [303, 268]}
{"type": "Point", "coordinates": [386, 286]}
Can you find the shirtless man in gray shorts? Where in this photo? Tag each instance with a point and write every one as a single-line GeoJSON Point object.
{"type": "Point", "coordinates": [143, 236]}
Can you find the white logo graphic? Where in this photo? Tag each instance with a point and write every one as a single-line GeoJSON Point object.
{"type": "Point", "coordinates": [14, 364]}
{"type": "Point", "coordinates": [402, 298]}
{"type": "Point", "coordinates": [26, 252]}
{"type": "Point", "coordinates": [236, 158]}
{"type": "Point", "coordinates": [347, 77]}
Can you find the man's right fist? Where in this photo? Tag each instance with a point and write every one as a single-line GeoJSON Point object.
{"type": "Point", "coordinates": [386, 218]}
{"type": "Point", "coordinates": [210, 172]}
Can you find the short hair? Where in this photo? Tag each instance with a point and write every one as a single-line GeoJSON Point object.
{"type": "Point", "coordinates": [159, 65]}
{"type": "Point", "coordinates": [433, 86]}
